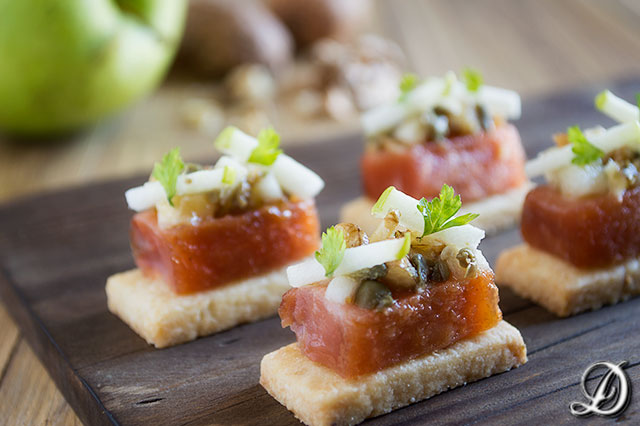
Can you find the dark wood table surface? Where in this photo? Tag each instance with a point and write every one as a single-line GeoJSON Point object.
{"type": "Point", "coordinates": [533, 46]}
{"type": "Point", "coordinates": [57, 249]}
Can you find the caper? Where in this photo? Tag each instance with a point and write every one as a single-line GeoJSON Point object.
{"type": "Point", "coordinates": [437, 124]}
{"type": "Point", "coordinates": [438, 271]}
{"type": "Point", "coordinates": [484, 118]}
{"type": "Point", "coordinates": [378, 271]}
{"type": "Point", "coordinates": [459, 125]}
{"type": "Point", "coordinates": [373, 273]}
{"type": "Point", "coordinates": [418, 262]}
{"type": "Point", "coordinates": [465, 257]}
{"type": "Point", "coordinates": [467, 261]}
{"type": "Point", "coordinates": [373, 295]}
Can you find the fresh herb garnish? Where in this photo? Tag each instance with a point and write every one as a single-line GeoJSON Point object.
{"type": "Point", "coordinates": [267, 150]}
{"type": "Point", "coordinates": [638, 100]}
{"type": "Point", "coordinates": [332, 251]}
{"type": "Point", "coordinates": [229, 175]}
{"type": "Point", "coordinates": [438, 213]}
{"type": "Point", "coordinates": [408, 82]}
{"type": "Point", "coordinates": [472, 78]}
{"type": "Point", "coordinates": [166, 172]}
{"type": "Point", "coordinates": [584, 152]}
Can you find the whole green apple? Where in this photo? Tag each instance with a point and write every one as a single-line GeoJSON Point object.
{"type": "Point", "coordinates": [65, 64]}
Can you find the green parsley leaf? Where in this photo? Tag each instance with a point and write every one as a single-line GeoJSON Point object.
{"type": "Point", "coordinates": [638, 99]}
{"type": "Point", "coordinates": [166, 172]}
{"type": "Point", "coordinates": [228, 175]}
{"type": "Point", "coordinates": [472, 78]}
{"type": "Point", "coordinates": [332, 251]}
{"type": "Point", "coordinates": [438, 213]}
{"type": "Point", "coordinates": [584, 152]}
{"type": "Point", "coordinates": [408, 82]}
{"type": "Point", "coordinates": [267, 150]}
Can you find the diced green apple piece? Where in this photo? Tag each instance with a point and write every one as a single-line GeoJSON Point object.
{"type": "Point", "coordinates": [407, 207]}
{"type": "Point", "coordinates": [268, 188]}
{"type": "Point", "coordinates": [355, 259]}
{"type": "Point", "coordinates": [341, 289]}
{"type": "Point", "coordinates": [296, 178]}
{"type": "Point", "coordinates": [235, 142]}
{"type": "Point", "coordinates": [625, 134]}
{"type": "Point", "coordinates": [616, 107]}
{"type": "Point", "coordinates": [370, 255]}
{"type": "Point", "coordinates": [307, 272]}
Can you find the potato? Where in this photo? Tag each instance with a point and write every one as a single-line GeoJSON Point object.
{"type": "Point", "coordinates": [311, 20]}
{"type": "Point", "coordinates": [221, 34]}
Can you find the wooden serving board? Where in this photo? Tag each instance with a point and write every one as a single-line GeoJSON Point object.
{"type": "Point", "coordinates": [57, 250]}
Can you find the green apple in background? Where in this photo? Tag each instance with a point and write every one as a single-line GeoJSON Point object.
{"type": "Point", "coordinates": [65, 64]}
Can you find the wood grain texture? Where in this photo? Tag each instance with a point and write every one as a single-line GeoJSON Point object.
{"type": "Point", "coordinates": [57, 249]}
{"type": "Point", "coordinates": [22, 390]}
{"type": "Point", "coordinates": [534, 46]}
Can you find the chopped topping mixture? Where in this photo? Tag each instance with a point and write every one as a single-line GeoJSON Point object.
{"type": "Point", "coordinates": [418, 244]}
{"type": "Point", "coordinates": [416, 285]}
{"type": "Point", "coordinates": [251, 172]}
{"type": "Point", "coordinates": [439, 108]}
{"type": "Point", "coordinates": [596, 161]}
{"type": "Point", "coordinates": [486, 164]}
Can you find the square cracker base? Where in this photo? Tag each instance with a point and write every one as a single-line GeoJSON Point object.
{"type": "Point", "coordinates": [562, 288]}
{"type": "Point", "coordinates": [164, 318]}
{"type": "Point", "coordinates": [497, 212]}
{"type": "Point", "coordinates": [318, 396]}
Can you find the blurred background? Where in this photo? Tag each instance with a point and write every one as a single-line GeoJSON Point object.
{"type": "Point", "coordinates": [98, 89]}
{"type": "Point", "coordinates": [307, 68]}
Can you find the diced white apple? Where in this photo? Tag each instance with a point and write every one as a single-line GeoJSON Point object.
{"type": "Point", "coordinates": [407, 207]}
{"type": "Point", "coordinates": [577, 181]}
{"type": "Point", "coordinates": [295, 178]}
{"type": "Point", "coordinates": [148, 195]}
{"type": "Point", "coordinates": [626, 134]}
{"type": "Point", "coordinates": [427, 94]}
{"type": "Point", "coordinates": [369, 255]}
{"type": "Point", "coordinates": [355, 259]}
{"type": "Point", "coordinates": [501, 102]}
{"type": "Point", "coordinates": [341, 289]}
{"type": "Point", "coordinates": [144, 197]}
{"type": "Point", "coordinates": [465, 236]}
{"type": "Point", "coordinates": [616, 107]}
{"type": "Point", "coordinates": [306, 272]}
{"type": "Point", "coordinates": [235, 142]}
{"type": "Point", "coordinates": [383, 118]}
{"type": "Point", "coordinates": [410, 131]}
{"type": "Point", "coordinates": [268, 188]}
{"type": "Point", "coordinates": [548, 160]}
{"type": "Point", "coordinates": [454, 105]}
{"type": "Point", "coordinates": [200, 181]}
{"type": "Point", "coordinates": [241, 170]}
